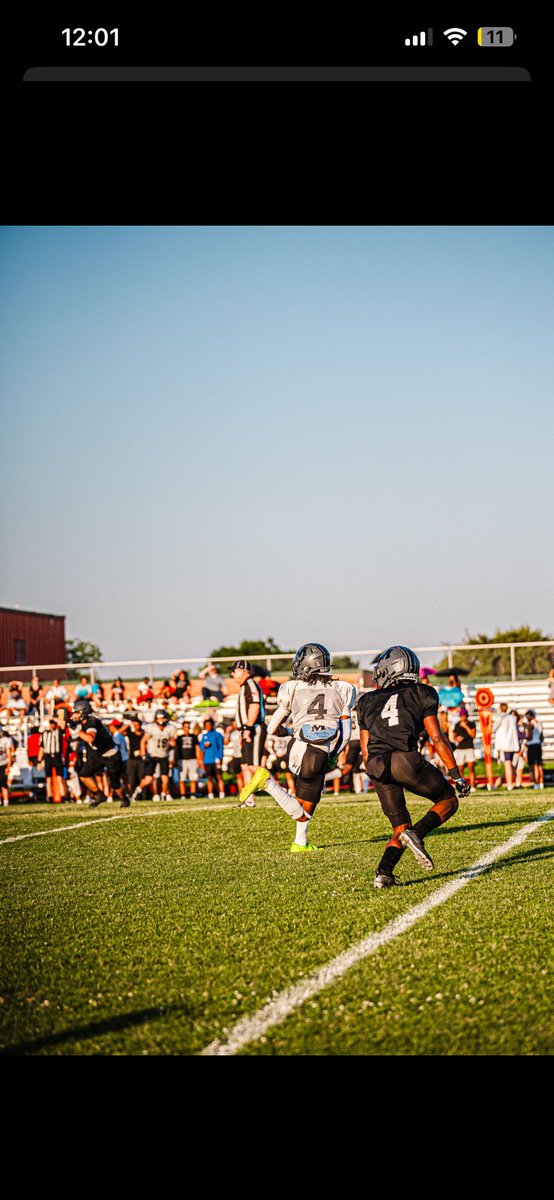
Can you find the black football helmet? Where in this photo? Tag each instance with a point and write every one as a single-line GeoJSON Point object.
{"type": "Point", "coordinates": [311, 661]}
{"type": "Point", "coordinates": [159, 713]}
{"type": "Point", "coordinates": [398, 664]}
{"type": "Point", "coordinates": [82, 709]}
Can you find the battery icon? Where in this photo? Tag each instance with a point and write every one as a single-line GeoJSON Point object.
{"type": "Point", "coordinates": [495, 36]}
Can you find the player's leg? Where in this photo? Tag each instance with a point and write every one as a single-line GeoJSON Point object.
{"type": "Point", "coordinates": [393, 802]}
{"type": "Point", "coordinates": [308, 765]}
{"type": "Point", "coordinates": [412, 772]}
{"type": "Point", "coordinates": [210, 776]}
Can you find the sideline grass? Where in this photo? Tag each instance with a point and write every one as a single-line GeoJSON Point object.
{"type": "Point", "coordinates": [155, 933]}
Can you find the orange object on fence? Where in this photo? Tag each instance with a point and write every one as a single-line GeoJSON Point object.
{"type": "Point", "coordinates": [484, 700]}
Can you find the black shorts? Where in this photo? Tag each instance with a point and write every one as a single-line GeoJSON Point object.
{"type": "Point", "coordinates": [152, 763]}
{"type": "Point", "coordinates": [93, 764]}
{"type": "Point", "coordinates": [534, 755]}
{"type": "Point", "coordinates": [134, 770]}
{"type": "Point", "coordinates": [4, 777]}
{"type": "Point", "coordinates": [53, 762]}
{"type": "Point", "coordinates": [252, 751]}
{"type": "Point", "coordinates": [212, 770]}
{"type": "Point", "coordinates": [234, 766]}
{"type": "Point", "coordinates": [310, 774]}
{"type": "Point", "coordinates": [399, 769]}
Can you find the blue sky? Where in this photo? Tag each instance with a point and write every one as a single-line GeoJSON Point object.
{"type": "Point", "coordinates": [330, 433]}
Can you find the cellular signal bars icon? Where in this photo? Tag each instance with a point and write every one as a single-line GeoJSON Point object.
{"type": "Point", "coordinates": [420, 39]}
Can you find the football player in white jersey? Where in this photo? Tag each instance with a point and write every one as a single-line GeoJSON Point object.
{"type": "Point", "coordinates": [317, 709]}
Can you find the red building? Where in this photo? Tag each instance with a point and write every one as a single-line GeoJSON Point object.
{"type": "Point", "coordinates": [28, 639]}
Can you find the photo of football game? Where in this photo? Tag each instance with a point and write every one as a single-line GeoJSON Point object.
{"type": "Point", "coordinates": [337, 841]}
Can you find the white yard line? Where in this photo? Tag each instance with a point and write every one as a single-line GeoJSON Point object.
{"type": "Point", "coordinates": [279, 1008]}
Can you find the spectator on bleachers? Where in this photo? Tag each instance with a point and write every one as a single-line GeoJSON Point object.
{"type": "Point", "coordinates": [117, 694]}
{"type": "Point", "coordinates": [145, 691]}
{"type": "Point", "coordinates": [506, 744]}
{"type": "Point", "coordinates": [424, 674]}
{"type": "Point", "coordinates": [83, 691]}
{"type": "Point", "coordinates": [213, 686]}
{"type": "Point", "coordinates": [35, 696]}
{"type": "Point", "coordinates": [182, 687]}
{"type": "Point", "coordinates": [15, 703]}
{"type": "Point", "coordinates": [534, 739]}
{"type": "Point", "coordinates": [550, 682]}
{"type": "Point", "coordinates": [166, 691]}
{"type": "Point", "coordinates": [57, 692]}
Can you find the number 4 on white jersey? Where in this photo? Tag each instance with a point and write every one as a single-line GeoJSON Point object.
{"type": "Point", "coordinates": [390, 711]}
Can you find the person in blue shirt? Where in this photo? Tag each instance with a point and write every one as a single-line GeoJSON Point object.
{"type": "Point", "coordinates": [84, 690]}
{"type": "Point", "coordinates": [211, 747]}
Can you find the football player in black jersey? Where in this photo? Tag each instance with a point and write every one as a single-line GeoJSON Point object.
{"type": "Point", "coordinates": [100, 754]}
{"type": "Point", "coordinates": [391, 720]}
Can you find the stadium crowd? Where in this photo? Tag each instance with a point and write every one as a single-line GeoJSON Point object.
{"type": "Point", "coordinates": [163, 742]}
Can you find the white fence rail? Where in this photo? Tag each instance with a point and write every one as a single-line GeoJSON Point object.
{"type": "Point", "coordinates": [514, 660]}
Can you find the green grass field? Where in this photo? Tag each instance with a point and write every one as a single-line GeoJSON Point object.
{"type": "Point", "coordinates": [153, 931]}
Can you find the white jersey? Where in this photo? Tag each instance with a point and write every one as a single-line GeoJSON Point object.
{"type": "Point", "coordinates": [158, 739]}
{"type": "Point", "coordinates": [316, 704]}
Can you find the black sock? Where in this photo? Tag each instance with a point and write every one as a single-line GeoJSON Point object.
{"type": "Point", "coordinates": [430, 821]}
{"type": "Point", "coordinates": [390, 858]}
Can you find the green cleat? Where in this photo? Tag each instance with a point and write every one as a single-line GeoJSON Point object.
{"type": "Point", "coordinates": [296, 849]}
{"type": "Point", "coordinates": [259, 778]}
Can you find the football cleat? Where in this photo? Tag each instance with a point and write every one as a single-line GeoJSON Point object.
{"type": "Point", "coordinates": [382, 880]}
{"type": "Point", "coordinates": [259, 778]}
{"type": "Point", "coordinates": [296, 849]}
{"type": "Point", "coordinates": [412, 840]}
{"type": "Point", "coordinates": [249, 803]}
{"type": "Point", "coordinates": [98, 800]}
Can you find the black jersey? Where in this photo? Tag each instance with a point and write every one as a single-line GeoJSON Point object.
{"type": "Point", "coordinates": [394, 716]}
{"type": "Point", "coordinates": [185, 744]}
{"type": "Point", "coordinates": [134, 740]}
{"type": "Point", "coordinates": [103, 741]}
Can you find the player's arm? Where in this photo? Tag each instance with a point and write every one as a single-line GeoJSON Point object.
{"type": "Point", "coordinates": [345, 722]}
{"type": "Point", "coordinates": [87, 735]}
{"type": "Point", "coordinates": [444, 751]}
{"type": "Point", "coordinates": [280, 717]}
{"type": "Point", "coordinates": [364, 744]}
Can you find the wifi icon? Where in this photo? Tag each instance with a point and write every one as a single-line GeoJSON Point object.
{"type": "Point", "coordinates": [455, 35]}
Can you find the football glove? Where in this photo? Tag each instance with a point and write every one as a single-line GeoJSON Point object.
{"type": "Point", "coordinates": [462, 787]}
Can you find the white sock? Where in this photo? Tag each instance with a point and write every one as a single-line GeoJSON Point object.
{"type": "Point", "coordinates": [288, 803]}
{"type": "Point", "coordinates": [301, 836]}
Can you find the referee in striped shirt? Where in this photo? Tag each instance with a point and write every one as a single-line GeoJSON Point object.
{"type": "Point", "coordinates": [250, 715]}
{"type": "Point", "coordinates": [51, 752]}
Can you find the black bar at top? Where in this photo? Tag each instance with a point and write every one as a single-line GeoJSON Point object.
{"type": "Point", "coordinates": [408, 74]}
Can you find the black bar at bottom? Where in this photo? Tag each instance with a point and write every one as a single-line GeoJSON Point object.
{"type": "Point", "coordinates": [423, 74]}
